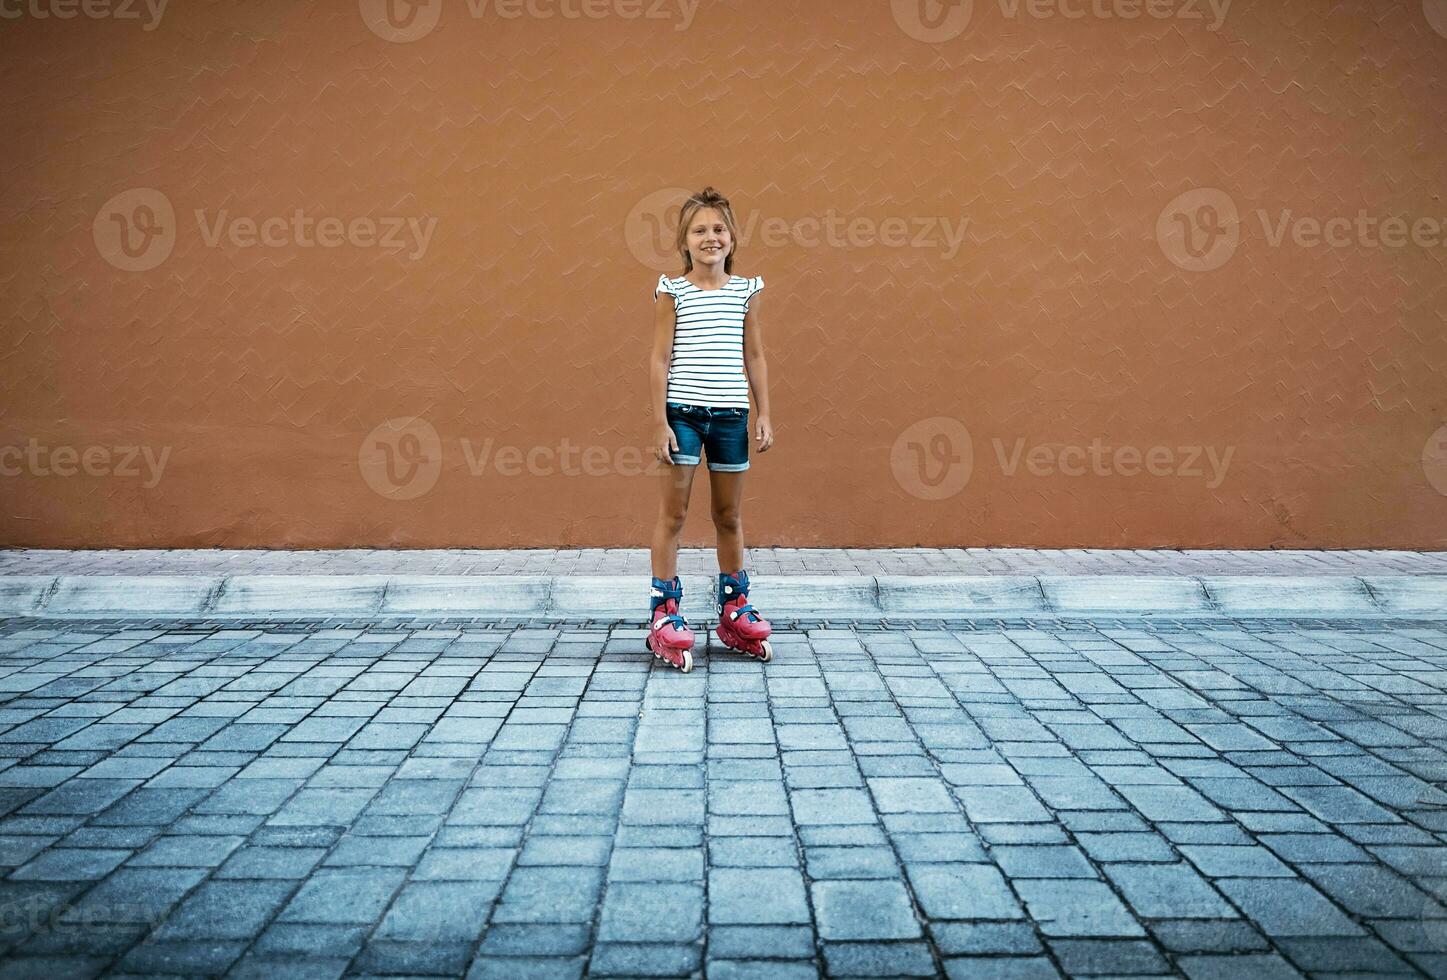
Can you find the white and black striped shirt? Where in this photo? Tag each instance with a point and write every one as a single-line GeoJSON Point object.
{"type": "Point", "coordinates": [707, 367]}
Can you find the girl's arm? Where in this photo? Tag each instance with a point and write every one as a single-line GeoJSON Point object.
{"type": "Point", "coordinates": [663, 443]}
{"type": "Point", "coordinates": [758, 371]}
{"type": "Point", "coordinates": [663, 323]}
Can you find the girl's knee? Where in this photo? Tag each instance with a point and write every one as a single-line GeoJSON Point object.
{"type": "Point", "coordinates": [726, 520]}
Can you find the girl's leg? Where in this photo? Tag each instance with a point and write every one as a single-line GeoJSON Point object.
{"type": "Point", "coordinates": [727, 491]}
{"type": "Point", "coordinates": [676, 482]}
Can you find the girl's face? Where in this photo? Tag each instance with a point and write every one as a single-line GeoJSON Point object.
{"type": "Point", "coordinates": [709, 241]}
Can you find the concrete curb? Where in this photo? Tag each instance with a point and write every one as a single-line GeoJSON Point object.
{"type": "Point", "coordinates": [858, 597]}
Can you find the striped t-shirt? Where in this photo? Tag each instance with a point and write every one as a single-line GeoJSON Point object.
{"type": "Point", "coordinates": [707, 367]}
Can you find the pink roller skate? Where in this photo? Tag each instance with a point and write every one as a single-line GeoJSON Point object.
{"type": "Point", "coordinates": [740, 626]}
{"type": "Point", "coordinates": [669, 638]}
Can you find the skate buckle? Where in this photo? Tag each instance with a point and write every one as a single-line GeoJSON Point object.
{"type": "Point", "coordinates": [736, 613]}
{"type": "Point", "coordinates": [661, 622]}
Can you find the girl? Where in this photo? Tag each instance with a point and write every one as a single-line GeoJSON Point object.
{"type": "Point", "coordinates": [708, 352]}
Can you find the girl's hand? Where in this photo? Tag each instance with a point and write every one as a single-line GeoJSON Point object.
{"type": "Point", "coordinates": [764, 432]}
{"type": "Point", "coordinates": [664, 444]}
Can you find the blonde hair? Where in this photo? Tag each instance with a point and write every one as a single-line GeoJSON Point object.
{"type": "Point", "coordinates": [707, 198]}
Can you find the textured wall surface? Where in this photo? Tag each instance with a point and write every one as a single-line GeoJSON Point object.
{"type": "Point", "coordinates": [1039, 273]}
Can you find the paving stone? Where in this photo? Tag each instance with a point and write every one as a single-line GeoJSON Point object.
{"type": "Point", "coordinates": [551, 939]}
{"type": "Point", "coordinates": [1369, 891]}
{"type": "Point", "coordinates": [851, 862]}
{"type": "Point", "coordinates": [832, 806]}
{"type": "Point", "coordinates": [1232, 861]}
{"type": "Point", "coordinates": [1001, 968]}
{"type": "Point", "coordinates": [1086, 957]}
{"type": "Point", "coordinates": [1168, 891]}
{"type": "Point", "coordinates": [71, 864]}
{"type": "Point", "coordinates": [762, 941]}
{"type": "Point", "coordinates": [744, 969]}
{"type": "Point", "coordinates": [963, 891]}
{"type": "Point", "coordinates": [438, 912]}
{"type": "Point", "coordinates": [1287, 907]}
{"type": "Point", "coordinates": [343, 896]}
{"type": "Point", "coordinates": [766, 896]}
{"type": "Point", "coordinates": [864, 910]}
{"type": "Point", "coordinates": [1077, 908]}
{"type": "Point", "coordinates": [653, 912]}
{"type": "Point", "coordinates": [550, 895]}
{"type": "Point", "coordinates": [224, 910]}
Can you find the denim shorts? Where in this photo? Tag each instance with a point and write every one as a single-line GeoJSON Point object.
{"type": "Point", "coordinates": [723, 433]}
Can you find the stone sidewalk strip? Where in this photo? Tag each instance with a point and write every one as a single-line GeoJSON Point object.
{"type": "Point", "coordinates": [560, 562]}
{"type": "Point", "coordinates": [273, 799]}
{"type": "Point", "coordinates": [847, 597]}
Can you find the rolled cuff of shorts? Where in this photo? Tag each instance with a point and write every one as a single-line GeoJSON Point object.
{"type": "Point", "coordinates": [728, 467]}
{"type": "Point", "coordinates": [684, 460]}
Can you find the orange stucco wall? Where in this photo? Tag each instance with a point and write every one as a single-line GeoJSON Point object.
{"type": "Point", "coordinates": [1039, 273]}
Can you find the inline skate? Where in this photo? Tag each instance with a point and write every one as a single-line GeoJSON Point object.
{"type": "Point", "coordinates": [669, 638]}
{"type": "Point", "coordinates": [740, 627]}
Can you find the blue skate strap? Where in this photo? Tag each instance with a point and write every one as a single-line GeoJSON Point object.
{"type": "Point", "coordinates": [747, 607]}
{"type": "Point", "coordinates": [667, 592]}
{"type": "Point", "coordinates": [674, 618]}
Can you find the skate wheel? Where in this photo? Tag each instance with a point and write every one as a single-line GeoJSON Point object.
{"type": "Point", "coordinates": [687, 661]}
{"type": "Point", "coordinates": [768, 652]}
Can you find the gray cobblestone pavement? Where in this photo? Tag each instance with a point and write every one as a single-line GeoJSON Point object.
{"type": "Point", "coordinates": [701, 561]}
{"type": "Point", "coordinates": [975, 799]}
